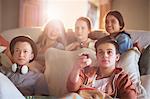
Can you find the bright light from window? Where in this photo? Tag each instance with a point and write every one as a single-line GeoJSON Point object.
{"type": "Point", "coordinates": [65, 10]}
{"type": "Point", "coordinates": [54, 12]}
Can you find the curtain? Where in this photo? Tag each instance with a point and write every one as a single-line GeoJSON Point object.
{"type": "Point", "coordinates": [105, 6]}
{"type": "Point", "coordinates": [31, 13]}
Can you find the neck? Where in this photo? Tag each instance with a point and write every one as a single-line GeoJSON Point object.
{"type": "Point", "coordinates": [105, 72]}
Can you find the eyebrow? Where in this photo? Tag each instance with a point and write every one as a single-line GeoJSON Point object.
{"type": "Point", "coordinates": [106, 49]}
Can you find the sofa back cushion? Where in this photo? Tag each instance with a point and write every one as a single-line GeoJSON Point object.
{"type": "Point", "coordinates": [58, 66]}
{"type": "Point", "coordinates": [140, 36]}
{"type": "Point", "coordinates": [33, 32]}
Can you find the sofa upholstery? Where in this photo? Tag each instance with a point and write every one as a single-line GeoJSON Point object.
{"type": "Point", "coordinates": [59, 62]}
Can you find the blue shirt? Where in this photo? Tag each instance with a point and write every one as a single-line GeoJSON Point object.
{"type": "Point", "coordinates": [124, 41]}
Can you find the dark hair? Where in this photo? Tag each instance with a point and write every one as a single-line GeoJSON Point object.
{"type": "Point", "coordinates": [107, 39]}
{"type": "Point", "coordinates": [23, 39]}
{"type": "Point", "coordinates": [117, 15]}
{"type": "Point", "coordinates": [87, 20]}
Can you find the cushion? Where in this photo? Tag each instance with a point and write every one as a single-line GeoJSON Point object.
{"type": "Point", "coordinates": [144, 62]}
{"type": "Point", "coordinates": [5, 62]}
{"type": "Point", "coordinates": [129, 62]}
{"type": "Point", "coordinates": [2, 48]}
{"type": "Point", "coordinates": [8, 89]}
{"type": "Point", "coordinates": [58, 66]}
{"type": "Point", "coordinates": [33, 32]}
{"type": "Point", "coordinates": [145, 79]}
{"type": "Point", "coordinates": [95, 35]}
{"type": "Point", "coordinates": [3, 41]}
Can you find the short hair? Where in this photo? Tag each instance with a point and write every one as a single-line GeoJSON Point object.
{"type": "Point", "coordinates": [117, 15]}
{"type": "Point", "coordinates": [23, 39]}
{"type": "Point", "coordinates": [107, 39]}
{"type": "Point", "coordinates": [87, 20]}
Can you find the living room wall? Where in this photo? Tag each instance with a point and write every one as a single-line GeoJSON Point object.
{"type": "Point", "coordinates": [136, 13]}
{"type": "Point", "coordinates": [9, 14]}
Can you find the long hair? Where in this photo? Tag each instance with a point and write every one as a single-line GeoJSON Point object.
{"type": "Point", "coordinates": [44, 41]}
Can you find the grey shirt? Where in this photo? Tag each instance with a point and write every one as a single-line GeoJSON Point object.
{"type": "Point", "coordinates": [31, 83]}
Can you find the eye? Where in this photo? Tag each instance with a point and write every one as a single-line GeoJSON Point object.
{"type": "Point", "coordinates": [109, 52]}
{"type": "Point", "coordinates": [77, 28]}
{"type": "Point", "coordinates": [100, 52]}
{"type": "Point", "coordinates": [25, 51]}
{"type": "Point", "coordinates": [113, 21]}
{"type": "Point", "coordinates": [82, 28]}
{"type": "Point", "coordinates": [16, 50]}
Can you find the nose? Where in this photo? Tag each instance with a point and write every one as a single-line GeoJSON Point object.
{"type": "Point", "coordinates": [21, 53]}
{"type": "Point", "coordinates": [108, 23]}
{"type": "Point", "coordinates": [104, 54]}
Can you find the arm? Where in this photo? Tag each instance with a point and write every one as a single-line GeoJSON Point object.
{"type": "Point", "coordinates": [76, 77]}
{"type": "Point", "coordinates": [125, 88]}
{"type": "Point", "coordinates": [72, 46]}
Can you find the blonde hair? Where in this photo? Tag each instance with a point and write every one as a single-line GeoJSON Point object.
{"type": "Point", "coordinates": [44, 41]}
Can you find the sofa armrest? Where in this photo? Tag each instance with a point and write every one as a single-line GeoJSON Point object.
{"type": "Point", "coordinates": [145, 80]}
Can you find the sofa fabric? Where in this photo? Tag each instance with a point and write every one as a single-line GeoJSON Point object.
{"type": "Point", "coordinates": [58, 66]}
{"type": "Point", "coordinates": [59, 63]}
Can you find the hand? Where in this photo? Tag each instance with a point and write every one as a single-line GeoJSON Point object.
{"type": "Point", "coordinates": [84, 60]}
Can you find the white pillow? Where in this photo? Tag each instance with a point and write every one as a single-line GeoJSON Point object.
{"type": "Point", "coordinates": [129, 62]}
{"type": "Point", "coordinates": [58, 66]}
{"type": "Point", "coordinates": [8, 89]}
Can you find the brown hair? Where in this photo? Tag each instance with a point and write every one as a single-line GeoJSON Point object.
{"type": "Point", "coordinates": [117, 15]}
{"type": "Point", "coordinates": [87, 20]}
{"type": "Point", "coordinates": [107, 39]}
{"type": "Point", "coordinates": [23, 39]}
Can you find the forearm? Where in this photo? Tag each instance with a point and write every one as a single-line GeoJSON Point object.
{"type": "Point", "coordinates": [74, 81]}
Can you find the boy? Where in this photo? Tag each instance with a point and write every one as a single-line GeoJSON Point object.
{"type": "Point", "coordinates": [106, 77]}
{"type": "Point", "coordinates": [23, 51]}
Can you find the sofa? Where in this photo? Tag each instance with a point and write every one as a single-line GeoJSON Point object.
{"type": "Point", "coordinates": [59, 62]}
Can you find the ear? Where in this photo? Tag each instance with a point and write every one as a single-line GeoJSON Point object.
{"type": "Point", "coordinates": [117, 57]}
{"type": "Point", "coordinates": [32, 56]}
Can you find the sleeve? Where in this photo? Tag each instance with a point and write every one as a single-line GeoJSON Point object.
{"type": "Point", "coordinates": [41, 86]}
{"type": "Point", "coordinates": [124, 42]}
{"type": "Point", "coordinates": [125, 88]}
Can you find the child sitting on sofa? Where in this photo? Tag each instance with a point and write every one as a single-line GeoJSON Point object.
{"type": "Point", "coordinates": [23, 51]}
{"type": "Point", "coordinates": [106, 78]}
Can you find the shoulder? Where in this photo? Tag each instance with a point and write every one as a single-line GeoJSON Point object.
{"type": "Point", "coordinates": [90, 71]}
{"type": "Point", "coordinates": [124, 34]}
{"type": "Point", "coordinates": [35, 75]}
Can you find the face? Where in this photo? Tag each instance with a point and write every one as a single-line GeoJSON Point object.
{"type": "Point", "coordinates": [112, 24]}
{"type": "Point", "coordinates": [106, 55]}
{"type": "Point", "coordinates": [53, 31]}
{"type": "Point", "coordinates": [81, 30]}
{"type": "Point", "coordinates": [22, 53]}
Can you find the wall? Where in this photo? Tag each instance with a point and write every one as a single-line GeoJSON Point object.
{"type": "Point", "coordinates": [9, 14]}
{"type": "Point", "coordinates": [149, 15]}
{"type": "Point", "coordinates": [135, 13]}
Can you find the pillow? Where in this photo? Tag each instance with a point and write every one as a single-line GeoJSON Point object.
{"type": "Point", "coordinates": [6, 63]}
{"type": "Point", "coordinates": [58, 66]}
{"type": "Point", "coordinates": [144, 62]}
{"type": "Point", "coordinates": [145, 79]}
{"type": "Point", "coordinates": [129, 62]}
{"type": "Point", "coordinates": [95, 35]}
{"type": "Point", "coordinates": [8, 89]}
{"type": "Point", "coordinates": [3, 41]}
